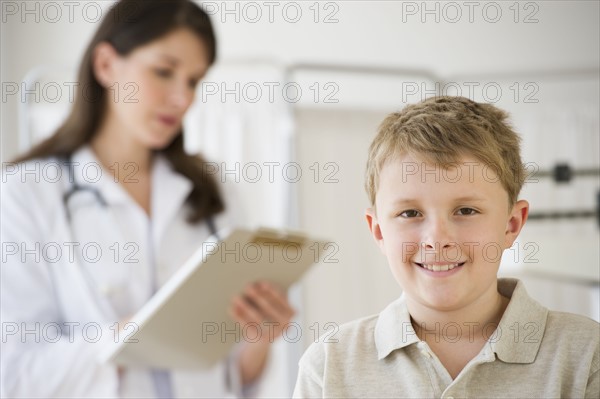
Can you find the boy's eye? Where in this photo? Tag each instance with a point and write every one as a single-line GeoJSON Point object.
{"type": "Point", "coordinates": [193, 83]}
{"type": "Point", "coordinates": [411, 213]}
{"type": "Point", "coordinates": [466, 211]}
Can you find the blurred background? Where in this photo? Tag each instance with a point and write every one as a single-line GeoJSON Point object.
{"type": "Point", "coordinates": [296, 97]}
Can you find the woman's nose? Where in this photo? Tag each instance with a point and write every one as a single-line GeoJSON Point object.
{"type": "Point", "coordinates": [182, 96]}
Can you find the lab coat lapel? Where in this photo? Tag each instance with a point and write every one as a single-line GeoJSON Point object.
{"type": "Point", "coordinates": [89, 172]}
{"type": "Point", "coordinates": [169, 189]}
{"type": "Point", "coordinates": [169, 192]}
{"type": "Point", "coordinates": [68, 273]}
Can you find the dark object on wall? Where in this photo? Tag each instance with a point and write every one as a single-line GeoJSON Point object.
{"type": "Point", "coordinates": [561, 174]}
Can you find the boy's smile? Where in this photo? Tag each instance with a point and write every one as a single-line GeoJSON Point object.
{"type": "Point", "coordinates": [444, 230]}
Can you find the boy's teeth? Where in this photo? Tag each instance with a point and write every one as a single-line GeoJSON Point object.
{"type": "Point", "coordinates": [440, 268]}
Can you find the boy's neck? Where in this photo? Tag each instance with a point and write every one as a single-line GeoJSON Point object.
{"type": "Point", "coordinates": [475, 322]}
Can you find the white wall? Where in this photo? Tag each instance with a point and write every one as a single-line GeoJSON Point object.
{"type": "Point", "coordinates": [386, 33]}
{"type": "Point", "coordinates": [39, 38]}
{"type": "Point", "coordinates": [375, 33]}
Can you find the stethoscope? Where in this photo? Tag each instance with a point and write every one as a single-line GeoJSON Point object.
{"type": "Point", "coordinates": [74, 189]}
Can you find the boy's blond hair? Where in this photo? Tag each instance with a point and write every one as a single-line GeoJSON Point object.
{"type": "Point", "coordinates": [440, 130]}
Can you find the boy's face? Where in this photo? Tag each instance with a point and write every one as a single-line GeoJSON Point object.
{"type": "Point", "coordinates": [455, 221]}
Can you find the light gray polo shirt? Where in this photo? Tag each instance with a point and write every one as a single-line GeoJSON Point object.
{"type": "Point", "coordinates": [534, 353]}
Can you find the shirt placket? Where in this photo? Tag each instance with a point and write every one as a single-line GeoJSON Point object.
{"type": "Point", "coordinates": [458, 387]}
{"type": "Point", "coordinates": [438, 375]}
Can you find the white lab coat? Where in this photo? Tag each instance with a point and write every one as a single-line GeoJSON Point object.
{"type": "Point", "coordinates": [118, 251]}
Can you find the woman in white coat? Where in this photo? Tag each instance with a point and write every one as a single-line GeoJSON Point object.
{"type": "Point", "coordinates": [96, 218]}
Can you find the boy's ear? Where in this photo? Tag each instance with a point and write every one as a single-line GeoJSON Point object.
{"type": "Point", "coordinates": [516, 221]}
{"type": "Point", "coordinates": [375, 228]}
{"type": "Point", "coordinates": [103, 63]}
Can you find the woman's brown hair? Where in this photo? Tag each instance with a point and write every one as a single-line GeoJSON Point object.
{"type": "Point", "coordinates": [128, 25]}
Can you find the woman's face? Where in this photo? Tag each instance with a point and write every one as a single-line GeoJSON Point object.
{"type": "Point", "coordinates": [151, 88]}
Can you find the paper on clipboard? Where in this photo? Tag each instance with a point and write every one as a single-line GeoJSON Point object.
{"type": "Point", "coordinates": [186, 325]}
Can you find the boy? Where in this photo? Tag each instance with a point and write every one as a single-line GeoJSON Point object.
{"type": "Point", "coordinates": [443, 178]}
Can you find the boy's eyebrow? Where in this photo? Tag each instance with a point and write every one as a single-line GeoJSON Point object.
{"type": "Point", "coordinates": [465, 198]}
{"type": "Point", "coordinates": [405, 202]}
{"type": "Point", "coordinates": [470, 198]}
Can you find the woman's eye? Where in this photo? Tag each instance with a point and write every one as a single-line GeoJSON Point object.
{"type": "Point", "coordinates": [467, 211]}
{"type": "Point", "coordinates": [411, 213]}
{"type": "Point", "coordinates": [163, 73]}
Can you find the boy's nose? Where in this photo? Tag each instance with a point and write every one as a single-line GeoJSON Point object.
{"type": "Point", "coordinates": [438, 235]}
{"type": "Point", "coordinates": [438, 244]}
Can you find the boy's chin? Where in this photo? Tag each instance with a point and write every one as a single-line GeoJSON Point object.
{"type": "Point", "coordinates": [440, 303]}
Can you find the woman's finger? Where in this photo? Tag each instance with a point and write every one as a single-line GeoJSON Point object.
{"type": "Point", "coordinates": [277, 299]}
{"type": "Point", "coordinates": [247, 312]}
{"type": "Point", "coordinates": [265, 304]}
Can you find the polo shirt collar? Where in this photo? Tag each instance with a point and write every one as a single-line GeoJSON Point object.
{"type": "Point", "coordinates": [394, 317]}
{"type": "Point", "coordinates": [517, 338]}
{"type": "Point", "coordinates": [520, 331]}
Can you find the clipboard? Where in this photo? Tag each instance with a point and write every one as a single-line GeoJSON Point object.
{"type": "Point", "coordinates": [185, 325]}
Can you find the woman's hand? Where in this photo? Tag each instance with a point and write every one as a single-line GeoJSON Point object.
{"type": "Point", "coordinates": [122, 323]}
{"type": "Point", "coordinates": [268, 309]}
